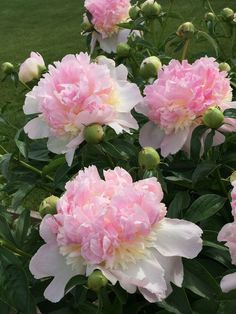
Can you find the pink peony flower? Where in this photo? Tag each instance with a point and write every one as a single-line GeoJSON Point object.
{"type": "Point", "coordinates": [228, 235]}
{"type": "Point", "coordinates": [106, 14]}
{"type": "Point", "coordinates": [75, 93]}
{"type": "Point", "coordinates": [118, 226]}
{"type": "Point", "coordinates": [31, 68]}
{"type": "Point", "coordinates": [177, 100]}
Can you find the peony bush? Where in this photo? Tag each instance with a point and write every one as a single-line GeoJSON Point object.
{"type": "Point", "coordinates": [133, 142]}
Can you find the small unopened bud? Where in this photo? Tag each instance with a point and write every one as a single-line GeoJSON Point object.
{"type": "Point", "coordinates": [134, 12]}
{"type": "Point", "coordinates": [227, 14]}
{"type": "Point", "coordinates": [224, 66]}
{"type": "Point", "coordinates": [148, 158]}
{"type": "Point", "coordinates": [150, 8]}
{"type": "Point", "coordinates": [213, 118]}
{"type": "Point", "coordinates": [149, 67]}
{"type": "Point", "coordinates": [210, 16]}
{"type": "Point", "coordinates": [96, 281]}
{"type": "Point", "coordinates": [186, 30]}
{"type": "Point", "coordinates": [86, 26]}
{"type": "Point", "coordinates": [233, 177]}
{"type": "Point", "coordinates": [123, 50]}
{"type": "Point", "coordinates": [93, 133]}
{"type": "Point", "coordinates": [7, 68]}
{"type": "Point", "coordinates": [48, 206]}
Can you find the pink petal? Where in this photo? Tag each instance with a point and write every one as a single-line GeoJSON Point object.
{"type": "Point", "coordinates": [151, 135]}
{"type": "Point", "coordinates": [173, 142]}
{"type": "Point", "coordinates": [228, 282]}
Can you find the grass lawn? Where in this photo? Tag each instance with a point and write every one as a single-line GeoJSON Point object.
{"type": "Point", "coordinates": [52, 27]}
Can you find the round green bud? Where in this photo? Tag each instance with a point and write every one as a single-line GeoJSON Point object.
{"type": "Point", "coordinates": [48, 206]}
{"type": "Point", "coordinates": [96, 281]}
{"type": "Point", "coordinates": [186, 30]}
{"type": "Point", "coordinates": [213, 118]}
{"type": "Point", "coordinates": [150, 9]}
{"type": "Point", "coordinates": [224, 66]}
{"type": "Point", "coordinates": [134, 12]}
{"type": "Point", "coordinates": [209, 16]}
{"type": "Point", "coordinates": [86, 26]}
{"type": "Point", "coordinates": [227, 14]}
{"type": "Point", "coordinates": [148, 158]}
{"type": "Point", "coordinates": [149, 67]}
{"type": "Point", "coordinates": [93, 133]}
{"type": "Point", "coordinates": [123, 50]}
{"type": "Point", "coordinates": [7, 68]}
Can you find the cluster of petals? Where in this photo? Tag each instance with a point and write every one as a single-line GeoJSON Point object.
{"type": "Point", "coordinates": [228, 235]}
{"type": "Point", "coordinates": [177, 100]}
{"type": "Point", "coordinates": [106, 15]}
{"type": "Point", "coordinates": [31, 68]}
{"type": "Point", "coordinates": [75, 93]}
{"type": "Point", "coordinates": [119, 227]}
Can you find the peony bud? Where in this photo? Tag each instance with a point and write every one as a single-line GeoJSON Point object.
{"type": "Point", "coordinates": [31, 68]}
{"type": "Point", "coordinates": [213, 118]}
{"type": "Point", "coordinates": [149, 67]}
{"type": "Point", "coordinates": [227, 14]}
{"type": "Point", "coordinates": [148, 158]}
{"type": "Point", "coordinates": [86, 26]}
{"type": "Point", "coordinates": [134, 12]}
{"type": "Point", "coordinates": [48, 206]}
{"type": "Point", "coordinates": [186, 30]}
{"type": "Point", "coordinates": [96, 281]}
{"type": "Point", "coordinates": [123, 50]}
{"type": "Point", "coordinates": [150, 9]}
{"type": "Point", "coordinates": [224, 66]}
{"type": "Point", "coordinates": [93, 133]}
{"type": "Point", "coordinates": [210, 17]}
{"type": "Point", "coordinates": [7, 68]}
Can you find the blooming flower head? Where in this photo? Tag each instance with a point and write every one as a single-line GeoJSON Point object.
{"type": "Point", "coordinates": [177, 100]}
{"type": "Point", "coordinates": [31, 68]}
{"type": "Point", "coordinates": [119, 227]}
{"type": "Point", "coordinates": [75, 93]}
{"type": "Point", "coordinates": [228, 235]}
{"type": "Point", "coordinates": [106, 14]}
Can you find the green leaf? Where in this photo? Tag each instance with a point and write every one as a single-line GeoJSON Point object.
{"type": "Point", "coordinates": [203, 170]}
{"type": "Point", "coordinates": [199, 281]}
{"type": "Point", "coordinates": [205, 306]}
{"type": "Point", "coordinates": [211, 40]}
{"type": "Point", "coordinates": [76, 281]}
{"type": "Point", "coordinates": [208, 141]}
{"type": "Point", "coordinates": [181, 201]}
{"type": "Point", "coordinates": [112, 151]}
{"type": "Point", "coordinates": [177, 302]}
{"type": "Point", "coordinates": [230, 113]}
{"type": "Point", "coordinates": [22, 146]}
{"type": "Point", "coordinates": [204, 207]}
{"type": "Point", "coordinates": [196, 141]}
{"type": "Point", "coordinates": [53, 165]}
{"type": "Point", "coordinates": [22, 227]}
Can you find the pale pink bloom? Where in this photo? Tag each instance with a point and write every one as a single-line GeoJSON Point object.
{"type": "Point", "coordinates": [31, 68]}
{"type": "Point", "coordinates": [106, 14]}
{"type": "Point", "coordinates": [75, 93]}
{"type": "Point", "coordinates": [234, 17]}
{"type": "Point", "coordinates": [118, 226]}
{"type": "Point", "coordinates": [228, 235]}
{"type": "Point", "coordinates": [177, 100]}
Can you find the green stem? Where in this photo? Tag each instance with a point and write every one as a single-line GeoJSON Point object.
{"type": "Point", "coordinates": [28, 166]}
{"type": "Point", "coordinates": [221, 184]}
{"type": "Point", "coordinates": [13, 249]}
{"type": "Point", "coordinates": [217, 19]}
{"type": "Point", "coordinates": [165, 22]}
{"type": "Point", "coordinates": [185, 50]}
{"type": "Point", "coordinates": [25, 85]}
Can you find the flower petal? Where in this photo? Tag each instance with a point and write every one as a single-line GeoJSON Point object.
{"type": "Point", "coordinates": [151, 135]}
{"type": "Point", "coordinates": [228, 282]}
{"type": "Point", "coordinates": [175, 237]}
{"type": "Point", "coordinates": [36, 128]}
{"type": "Point", "coordinates": [173, 142]}
{"type": "Point", "coordinates": [31, 104]}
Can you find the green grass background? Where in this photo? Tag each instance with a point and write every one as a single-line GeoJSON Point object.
{"type": "Point", "coordinates": [52, 28]}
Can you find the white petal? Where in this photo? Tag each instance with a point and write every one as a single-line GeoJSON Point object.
{"type": "Point", "coordinates": [218, 139]}
{"type": "Point", "coordinates": [58, 145]}
{"type": "Point", "coordinates": [129, 95]}
{"type": "Point", "coordinates": [228, 282]}
{"type": "Point", "coordinates": [175, 237]}
{"type": "Point", "coordinates": [126, 120]}
{"type": "Point", "coordinates": [151, 135]}
{"type": "Point", "coordinates": [70, 157]}
{"type": "Point", "coordinates": [142, 108]}
{"type": "Point", "coordinates": [31, 103]}
{"type": "Point", "coordinates": [173, 142]}
{"type": "Point", "coordinates": [36, 128]}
